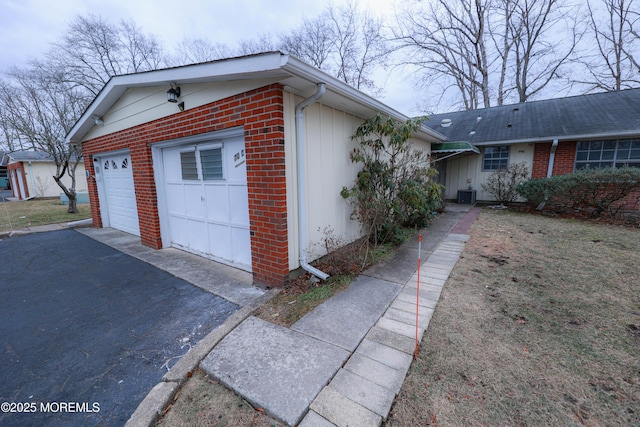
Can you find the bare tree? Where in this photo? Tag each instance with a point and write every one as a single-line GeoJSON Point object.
{"type": "Point", "coordinates": [193, 51]}
{"type": "Point", "coordinates": [358, 45]}
{"type": "Point", "coordinates": [343, 41]}
{"type": "Point", "coordinates": [503, 44]}
{"type": "Point", "coordinates": [613, 66]}
{"type": "Point", "coordinates": [312, 42]}
{"type": "Point", "coordinates": [94, 50]}
{"type": "Point", "coordinates": [542, 45]}
{"type": "Point", "coordinates": [448, 41]}
{"type": "Point", "coordinates": [41, 103]}
{"type": "Point", "coordinates": [39, 110]}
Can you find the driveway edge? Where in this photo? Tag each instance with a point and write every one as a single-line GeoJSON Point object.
{"type": "Point", "coordinates": [151, 408]}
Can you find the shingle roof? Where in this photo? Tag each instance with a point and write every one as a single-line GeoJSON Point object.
{"type": "Point", "coordinates": [28, 155]}
{"type": "Point", "coordinates": [599, 115]}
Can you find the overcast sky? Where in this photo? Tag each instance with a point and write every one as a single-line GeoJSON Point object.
{"type": "Point", "coordinates": [30, 26]}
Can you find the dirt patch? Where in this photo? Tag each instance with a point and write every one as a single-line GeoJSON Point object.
{"type": "Point", "coordinates": [537, 325]}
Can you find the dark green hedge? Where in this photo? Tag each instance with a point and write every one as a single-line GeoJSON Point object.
{"type": "Point", "coordinates": [595, 191]}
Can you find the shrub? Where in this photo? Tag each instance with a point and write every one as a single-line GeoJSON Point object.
{"type": "Point", "coordinates": [594, 191]}
{"type": "Point", "coordinates": [394, 188]}
{"type": "Point", "coordinates": [501, 184]}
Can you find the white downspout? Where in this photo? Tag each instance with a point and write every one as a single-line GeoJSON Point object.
{"type": "Point", "coordinates": [552, 157]}
{"type": "Point", "coordinates": [302, 196]}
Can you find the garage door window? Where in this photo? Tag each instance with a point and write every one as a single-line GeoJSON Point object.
{"type": "Point", "coordinates": [210, 161]}
{"type": "Point", "coordinates": [189, 165]}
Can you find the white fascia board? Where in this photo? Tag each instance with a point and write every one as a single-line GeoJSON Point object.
{"type": "Point", "coordinates": [551, 138]}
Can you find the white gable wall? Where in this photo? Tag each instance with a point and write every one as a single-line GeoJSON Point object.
{"type": "Point", "coordinates": [145, 104]}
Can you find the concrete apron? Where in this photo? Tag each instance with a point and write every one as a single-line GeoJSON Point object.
{"type": "Point", "coordinates": [344, 362]}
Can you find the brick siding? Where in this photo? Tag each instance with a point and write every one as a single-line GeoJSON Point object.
{"type": "Point", "coordinates": [563, 163]}
{"type": "Point", "coordinates": [261, 113]}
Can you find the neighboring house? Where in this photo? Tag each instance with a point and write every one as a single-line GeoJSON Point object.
{"type": "Point", "coordinates": [553, 137]}
{"type": "Point", "coordinates": [244, 165]}
{"type": "Point", "coordinates": [4, 177]}
{"type": "Point", "coordinates": [31, 175]}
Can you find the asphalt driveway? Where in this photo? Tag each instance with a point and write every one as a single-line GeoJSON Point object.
{"type": "Point", "coordinates": [85, 324]}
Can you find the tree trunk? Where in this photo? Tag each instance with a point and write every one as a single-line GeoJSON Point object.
{"type": "Point", "coordinates": [73, 204]}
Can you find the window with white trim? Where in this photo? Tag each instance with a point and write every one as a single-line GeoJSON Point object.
{"type": "Point", "coordinates": [189, 165]}
{"type": "Point", "coordinates": [202, 164]}
{"type": "Point", "coordinates": [495, 157]}
{"type": "Point", "coordinates": [608, 154]}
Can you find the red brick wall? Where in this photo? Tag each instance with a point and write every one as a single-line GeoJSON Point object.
{"type": "Point", "coordinates": [21, 176]}
{"type": "Point", "coordinates": [563, 163]}
{"type": "Point", "coordinates": [261, 113]}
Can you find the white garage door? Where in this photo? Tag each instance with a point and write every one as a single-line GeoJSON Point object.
{"type": "Point", "coordinates": [207, 200]}
{"type": "Point", "coordinates": [118, 197]}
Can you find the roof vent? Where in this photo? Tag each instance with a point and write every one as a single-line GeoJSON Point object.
{"type": "Point", "coordinates": [473, 132]}
{"type": "Point", "coordinates": [445, 123]}
{"type": "Point", "coordinates": [478, 119]}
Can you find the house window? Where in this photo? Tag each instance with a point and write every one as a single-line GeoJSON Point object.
{"type": "Point", "coordinates": [608, 154]}
{"type": "Point", "coordinates": [496, 157]}
{"type": "Point", "coordinates": [211, 162]}
{"type": "Point", "coordinates": [189, 165]}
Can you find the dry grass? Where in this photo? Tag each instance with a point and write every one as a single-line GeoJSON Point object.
{"type": "Point", "coordinates": [29, 213]}
{"type": "Point", "coordinates": [538, 325]}
{"type": "Point", "coordinates": [204, 402]}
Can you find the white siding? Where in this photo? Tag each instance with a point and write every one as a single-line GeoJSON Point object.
{"type": "Point", "coordinates": [469, 167]}
{"type": "Point", "coordinates": [41, 183]}
{"type": "Point", "coordinates": [144, 104]}
{"type": "Point", "coordinates": [328, 143]}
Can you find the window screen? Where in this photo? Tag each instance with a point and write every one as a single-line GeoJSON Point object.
{"type": "Point", "coordinates": [211, 162]}
{"type": "Point", "coordinates": [189, 166]}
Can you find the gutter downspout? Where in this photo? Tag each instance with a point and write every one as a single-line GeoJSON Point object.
{"type": "Point", "coordinates": [552, 157]}
{"type": "Point", "coordinates": [302, 196]}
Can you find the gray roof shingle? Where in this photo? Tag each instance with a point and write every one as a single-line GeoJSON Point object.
{"type": "Point", "coordinates": [599, 115]}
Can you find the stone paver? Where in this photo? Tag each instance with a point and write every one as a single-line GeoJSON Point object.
{"type": "Point", "coordinates": [342, 411]}
{"type": "Point", "coordinates": [366, 393]}
{"type": "Point", "coordinates": [258, 358]}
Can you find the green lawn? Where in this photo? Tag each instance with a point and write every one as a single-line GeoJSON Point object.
{"type": "Point", "coordinates": [29, 213]}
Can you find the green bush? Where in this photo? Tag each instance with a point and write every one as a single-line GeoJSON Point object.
{"type": "Point", "coordinates": [394, 189]}
{"type": "Point", "coordinates": [594, 191]}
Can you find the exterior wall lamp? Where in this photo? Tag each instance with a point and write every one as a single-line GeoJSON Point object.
{"type": "Point", "coordinates": [174, 93]}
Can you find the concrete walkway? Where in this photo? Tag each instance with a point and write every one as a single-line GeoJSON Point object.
{"type": "Point", "coordinates": [344, 362]}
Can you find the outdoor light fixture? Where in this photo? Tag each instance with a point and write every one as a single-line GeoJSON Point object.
{"type": "Point", "coordinates": [181, 106]}
{"type": "Point", "coordinates": [174, 93]}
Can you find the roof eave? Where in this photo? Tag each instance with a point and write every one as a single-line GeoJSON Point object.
{"type": "Point", "coordinates": [271, 64]}
{"type": "Point", "coordinates": [573, 137]}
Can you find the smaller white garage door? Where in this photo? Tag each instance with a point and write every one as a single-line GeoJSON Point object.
{"type": "Point", "coordinates": [117, 193]}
